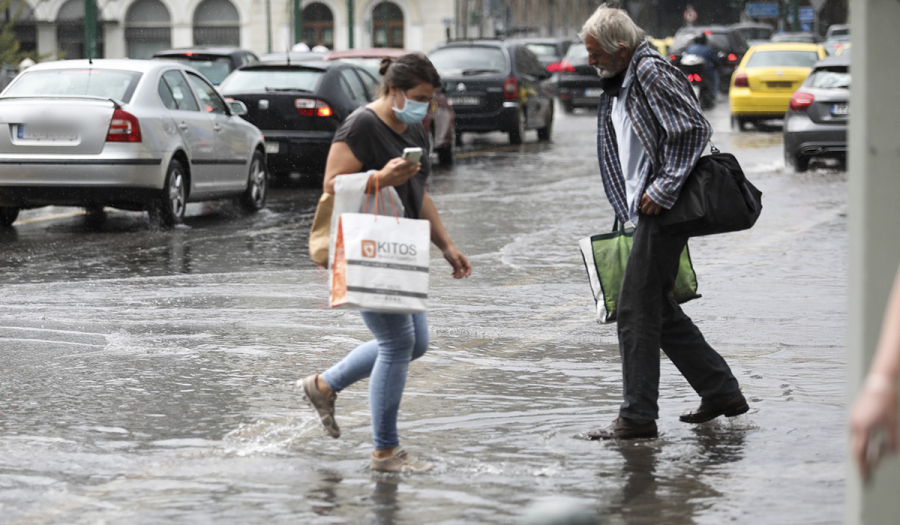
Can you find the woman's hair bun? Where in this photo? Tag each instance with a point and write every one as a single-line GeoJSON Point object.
{"type": "Point", "coordinates": [385, 64]}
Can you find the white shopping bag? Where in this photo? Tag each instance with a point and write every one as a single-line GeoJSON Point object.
{"type": "Point", "coordinates": [350, 196]}
{"type": "Point", "coordinates": [380, 263]}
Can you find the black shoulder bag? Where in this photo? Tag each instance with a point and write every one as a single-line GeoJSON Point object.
{"type": "Point", "coordinates": [715, 198]}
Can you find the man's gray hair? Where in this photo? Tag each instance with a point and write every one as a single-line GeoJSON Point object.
{"type": "Point", "coordinates": [612, 29]}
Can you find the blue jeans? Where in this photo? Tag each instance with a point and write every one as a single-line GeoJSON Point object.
{"type": "Point", "coordinates": [399, 339]}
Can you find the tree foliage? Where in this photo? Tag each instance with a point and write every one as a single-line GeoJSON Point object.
{"type": "Point", "coordinates": [10, 48]}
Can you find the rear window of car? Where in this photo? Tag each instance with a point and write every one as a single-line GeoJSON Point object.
{"type": "Point", "coordinates": [106, 83]}
{"type": "Point", "coordinates": [543, 50]}
{"type": "Point", "coordinates": [782, 59]}
{"type": "Point", "coordinates": [756, 33]}
{"type": "Point", "coordinates": [577, 55]}
{"type": "Point", "coordinates": [829, 79]}
{"type": "Point", "coordinates": [215, 69]}
{"type": "Point", "coordinates": [372, 65]}
{"type": "Point", "coordinates": [717, 41]}
{"type": "Point", "coordinates": [469, 60]}
{"type": "Point", "coordinates": [273, 79]}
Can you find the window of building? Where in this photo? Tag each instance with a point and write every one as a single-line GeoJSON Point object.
{"type": "Point", "coordinates": [147, 28]}
{"type": "Point", "coordinates": [24, 27]}
{"type": "Point", "coordinates": [387, 25]}
{"type": "Point", "coordinates": [70, 31]}
{"type": "Point", "coordinates": [216, 23]}
{"type": "Point", "coordinates": [318, 25]}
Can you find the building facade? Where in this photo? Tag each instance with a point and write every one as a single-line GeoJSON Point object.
{"type": "Point", "coordinates": [137, 28]}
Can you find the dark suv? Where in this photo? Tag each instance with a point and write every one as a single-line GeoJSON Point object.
{"type": "Point", "coordinates": [214, 63]}
{"type": "Point", "coordinates": [728, 43]}
{"type": "Point", "coordinates": [495, 86]}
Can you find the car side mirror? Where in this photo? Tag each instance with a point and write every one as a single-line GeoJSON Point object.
{"type": "Point", "coordinates": [238, 108]}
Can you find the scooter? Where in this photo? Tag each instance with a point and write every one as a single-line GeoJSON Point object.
{"type": "Point", "coordinates": [694, 66]}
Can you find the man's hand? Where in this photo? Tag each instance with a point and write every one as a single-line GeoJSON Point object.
{"type": "Point", "coordinates": [649, 207]}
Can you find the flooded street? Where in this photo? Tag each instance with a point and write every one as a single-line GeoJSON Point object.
{"type": "Point", "coordinates": [147, 376]}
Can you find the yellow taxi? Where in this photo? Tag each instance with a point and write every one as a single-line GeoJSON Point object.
{"type": "Point", "coordinates": [762, 84]}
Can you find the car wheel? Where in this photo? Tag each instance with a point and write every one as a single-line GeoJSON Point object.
{"type": "Point", "coordinates": [459, 141]}
{"type": "Point", "coordinates": [545, 132]}
{"type": "Point", "coordinates": [95, 215]}
{"type": "Point", "coordinates": [447, 154]}
{"type": "Point", "coordinates": [518, 133]}
{"type": "Point", "coordinates": [8, 215]}
{"type": "Point", "coordinates": [254, 198]}
{"type": "Point", "coordinates": [568, 109]}
{"type": "Point", "coordinates": [168, 210]}
{"type": "Point", "coordinates": [742, 123]}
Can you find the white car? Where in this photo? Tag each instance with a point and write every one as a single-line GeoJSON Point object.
{"type": "Point", "coordinates": [131, 134]}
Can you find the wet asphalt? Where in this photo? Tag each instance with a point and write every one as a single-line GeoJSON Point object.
{"type": "Point", "coordinates": [146, 375]}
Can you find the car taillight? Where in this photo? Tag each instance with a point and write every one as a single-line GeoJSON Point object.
{"type": "Point", "coordinates": [694, 77]}
{"type": "Point", "coordinates": [511, 89]}
{"type": "Point", "coordinates": [565, 67]}
{"type": "Point", "coordinates": [801, 101]}
{"type": "Point", "coordinates": [308, 107]}
{"type": "Point", "coordinates": [124, 127]}
{"type": "Point", "coordinates": [553, 67]}
{"type": "Point", "coordinates": [740, 80]}
{"type": "Point", "coordinates": [732, 58]}
{"type": "Point", "coordinates": [673, 58]}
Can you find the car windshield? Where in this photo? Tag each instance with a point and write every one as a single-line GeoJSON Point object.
{"type": "Point", "coordinates": [545, 51]}
{"type": "Point", "coordinates": [372, 65]}
{"type": "Point", "coordinates": [577, 55]}
{"type": "Point", "coordinates": [782, 59]}
{"type": "Point", "coordinates": [106, 83]}
{"type": "Point", "coordinates": [273, 79]}
{"type": "Point", "coordinates": [215, 69]}
{"type": "Point", "coordinates": [829, 79]}
{"type": "Point", "coordinates": [455, 61]}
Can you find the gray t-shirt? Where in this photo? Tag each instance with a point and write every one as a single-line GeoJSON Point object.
{"type": "Point", "coordinates": [374, 143]}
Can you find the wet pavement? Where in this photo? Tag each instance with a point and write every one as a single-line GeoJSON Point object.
{"type": "Point", "coordinates": [146, 376]}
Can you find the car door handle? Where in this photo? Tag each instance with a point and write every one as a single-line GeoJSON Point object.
{"type": "Point", "coordinates": [217, 128]}
{"type": "Point", "coordinates": [183, 126]}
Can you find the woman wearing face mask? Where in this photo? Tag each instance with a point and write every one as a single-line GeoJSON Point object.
{"type": "Point", "coordinates": [373, 138]}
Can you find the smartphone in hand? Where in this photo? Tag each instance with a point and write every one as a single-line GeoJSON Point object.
{"type": "Point", "coordinates": [411, 155]}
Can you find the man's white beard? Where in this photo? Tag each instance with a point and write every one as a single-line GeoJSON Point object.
{"type": "Point", "coordinates": [605, 73]}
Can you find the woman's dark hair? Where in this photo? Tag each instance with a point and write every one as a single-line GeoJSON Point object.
{"type": "Point", "coordinates": [407, 72]}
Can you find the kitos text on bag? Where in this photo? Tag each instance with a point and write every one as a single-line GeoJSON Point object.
{"type": "Point", "coordinates": [388, 250]}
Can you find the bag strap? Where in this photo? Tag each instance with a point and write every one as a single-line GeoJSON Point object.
{"type": "Point", "coordinates": [379, 197]}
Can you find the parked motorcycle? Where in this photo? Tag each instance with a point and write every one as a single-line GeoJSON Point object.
{"type": "Point", "coordinates": [694, 66]}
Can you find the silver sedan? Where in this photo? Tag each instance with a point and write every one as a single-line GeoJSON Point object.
{"type": "Point", "coordinates": [131, 134]}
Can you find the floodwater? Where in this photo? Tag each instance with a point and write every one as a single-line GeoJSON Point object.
{"type": "Point", "coordinates": [146, 376]}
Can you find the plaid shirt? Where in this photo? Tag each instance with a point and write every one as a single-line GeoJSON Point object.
{"type": "Point", "coordinates": [669, 124]}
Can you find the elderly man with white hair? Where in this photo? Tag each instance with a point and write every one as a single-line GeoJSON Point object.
{"type": "Point", "coordinates": [650, 133]}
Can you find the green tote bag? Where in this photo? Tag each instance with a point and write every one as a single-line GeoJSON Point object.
{"type": "Point", "coordinates": [605, 257]}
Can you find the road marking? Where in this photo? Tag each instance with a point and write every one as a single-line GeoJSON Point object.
{"type": "Point", "coordinates": [51, 217]}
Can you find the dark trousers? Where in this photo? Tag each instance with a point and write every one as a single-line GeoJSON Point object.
{"type": "Point", "coordinates": [648, 319]}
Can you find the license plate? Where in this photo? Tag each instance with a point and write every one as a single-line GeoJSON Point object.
{"type": "Point", "coordinates": [780, 85]}
{"type": "Point", "coordinates": [464, 101]}
{"type": "Point", "coordinates": [593, 92]}
{"type": "Point", "coordinates": [840, 109]}
{"type": "Point", "coordinates": [28, 132]}
{"type": "Point", "coordinates": [273, 147]}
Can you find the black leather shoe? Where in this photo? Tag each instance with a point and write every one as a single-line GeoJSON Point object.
{"type": "Point", "coordinates": [731, 407]}
{"type": "Point", "coordinates": [624, 428]}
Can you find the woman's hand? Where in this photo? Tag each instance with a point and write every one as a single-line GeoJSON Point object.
{"type": "Point", "coordinates": [875, 408]}
{"type": "Point", "coordinates": [397, 171]}
{"type": "Point", "coordinates": [460, 263]}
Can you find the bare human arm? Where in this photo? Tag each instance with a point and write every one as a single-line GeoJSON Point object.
{"type": "Point", "coordinates": [876, 404]}
{"type": "Point", "coordinates": [342, 161]}
{"type": "Point", "coordinates": [439, 236]}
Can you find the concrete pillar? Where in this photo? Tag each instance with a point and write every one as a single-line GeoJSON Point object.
{"type": "Point", "coordinates": [46, 39]}
{"type": "Point", "coordinates": [874, 172]}
{"type": "Point", "coordinates": [114, 44]}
